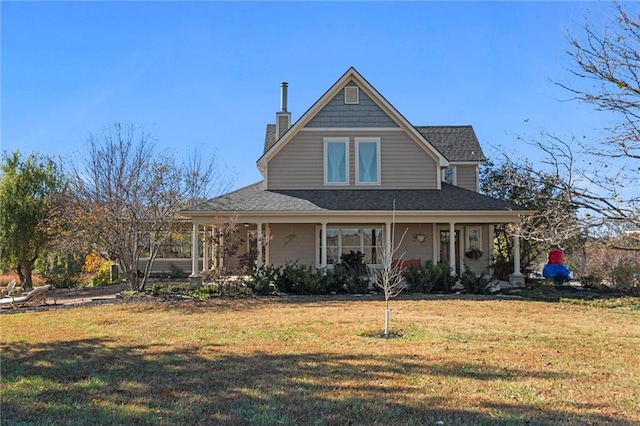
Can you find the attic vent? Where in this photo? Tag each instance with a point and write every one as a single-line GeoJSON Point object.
{"type": "Point", "coordinates": [351, 95]}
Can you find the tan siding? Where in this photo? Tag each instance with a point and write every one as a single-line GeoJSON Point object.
{"type": "Point", "coordinates": [479, 266]}
{"type": "Point", "coordinates": [405, 165]}
{"type": "Point", "coordinates": [412, 248]}
{"type": "Point", "coordinates": [292, 242]}
{"type": "Point", "coordinates": [467, 177]}
{"type": "Point", "coordinates": [299, 164]}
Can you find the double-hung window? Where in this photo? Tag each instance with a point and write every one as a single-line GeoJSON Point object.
{"type": "Point", "coordinates": [336, 161]}
{"type": "Point", "coordinates": [367, 161]}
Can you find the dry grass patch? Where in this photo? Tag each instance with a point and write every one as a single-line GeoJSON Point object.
{"type": "Point", "coordinates": [303, 361]}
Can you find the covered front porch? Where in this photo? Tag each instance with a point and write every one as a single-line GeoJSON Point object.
{"type": "Point", "coordinates": [320, 241]}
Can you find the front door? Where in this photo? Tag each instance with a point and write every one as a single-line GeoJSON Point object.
{"type": "Point", "coordinates": [444, 248]}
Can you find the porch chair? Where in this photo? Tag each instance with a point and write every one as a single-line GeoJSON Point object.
{"type": "Point", "coordinates": [34, 298]}
{"type": "Point", "coordinates": [8, 289]}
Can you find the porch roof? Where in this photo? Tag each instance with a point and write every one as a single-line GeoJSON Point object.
{"type": "Point", "coordinates": [254, 198]}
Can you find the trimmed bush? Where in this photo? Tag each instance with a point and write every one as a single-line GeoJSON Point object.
{"type": "Point", "coordinates": [263, 280]}
{"type": "Point", "coordinates": [476, 284]}
{"type": "Point", "coordinates": [300, 279]}
{"type": "Point", "coordinates": [429, 278]}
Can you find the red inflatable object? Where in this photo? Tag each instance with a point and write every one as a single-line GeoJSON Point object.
{"type": "Point", "coordinates": [556, 257]}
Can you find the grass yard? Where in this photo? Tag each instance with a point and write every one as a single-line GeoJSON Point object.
{"type": "Point", "coordinates": [307, 361]}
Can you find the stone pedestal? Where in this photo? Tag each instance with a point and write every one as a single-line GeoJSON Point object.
{"type": "Point", "coordinates": [195, 281]}
{"type": "Point", "coordinates": [516, 281]}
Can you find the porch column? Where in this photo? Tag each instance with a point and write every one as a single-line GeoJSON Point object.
{"type": "Point", "coordinates": [434, 243]}
{"type": "Point", "coordinates": [215, 243]}
{"type": "Point", "coordinates": [221, 253]}
{"type": "Point", "coordinates": [259, 261]}
{"type": "Point", "coordinates": [195, 279]}
{"type": "Point", "coordinates": [452, 247]}
{"type": "Point", "coordinates": [491, 246]}
{"type": "Point", "coordinates": [194, 250]}
{"type": "Point", "coordinates": [387, 245]}
{"type": "Point", "coordinates": [266, 247]}
{"type": "Point", "coordinates": [205, 250]}
{"type": "Point", "coordinates": [516, 279]}
{"type": "Point", "coordinates": [516, 255]}
{"type": "Point", "coordinates": [323, 246]}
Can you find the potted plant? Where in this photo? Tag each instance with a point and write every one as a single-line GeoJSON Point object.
{"type": "Point", "coordinates": [473, 253]}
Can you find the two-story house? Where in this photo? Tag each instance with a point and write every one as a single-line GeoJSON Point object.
{"type": "Point", "coordinates": [333, 179]}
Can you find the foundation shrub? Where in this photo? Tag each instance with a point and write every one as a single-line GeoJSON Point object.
{"type": "Point", "coordinates": [475, 284]}
{"type": "Point", "coordinates": [432, 277]}
{"type": "Point", "coordinates": [356, 268]}
{"type": "Point", "coordinates": [419, 279]}
{"type": "Point", "coordinates": [263, 280]}
{"type": "Point", "coordinates": [300, 279]}
{"type": "Point", "coordinates": [349, 276]}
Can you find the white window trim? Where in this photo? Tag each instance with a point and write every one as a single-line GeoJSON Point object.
{"type": "Point", "coordinates": [378, 158]}
{"type": "Point", "coordinates": [357, 89]}
{"type": "Point", "coordinates": [318, 239]}
{"type": "Point", "coordinates": [344, 140]}
{"type": "Point", "coordinates": [467, 241]}
{"type": "Point", "coordinates": [454, 177]}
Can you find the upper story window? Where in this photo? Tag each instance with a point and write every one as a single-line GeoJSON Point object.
{"type": "Point", "coordinates": [336, 161]}
{"type": "Point", "coordinates": [449, 175]}
{"type": "Point", "coordinates": [368, 161]}
{"type": "Point", "coordinates": [351, 95]}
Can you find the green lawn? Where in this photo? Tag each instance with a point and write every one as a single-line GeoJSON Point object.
{"type": "Point", "coordinates": [308, 361]}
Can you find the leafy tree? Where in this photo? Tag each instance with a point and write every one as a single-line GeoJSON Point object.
{"type": "Point", "coordinates": [30, 196]}
{"type": "Point", "coordinates": [128, 196]}
{"type": "Point", "coordinates": [554, 222]}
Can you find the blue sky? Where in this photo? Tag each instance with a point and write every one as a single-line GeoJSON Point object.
{"type": "Point", "coordinates": [209, 72]}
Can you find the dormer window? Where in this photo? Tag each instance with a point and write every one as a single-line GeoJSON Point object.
{"type": "Point", "coordinates": [351, 95]}
{"type": "Point", "coordinates": [449, 175]}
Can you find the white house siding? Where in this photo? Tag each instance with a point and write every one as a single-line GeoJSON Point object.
{"type": "Point", "coordinates": [467, 177]}
{"type": "Point", "coordinates": [300, 163]}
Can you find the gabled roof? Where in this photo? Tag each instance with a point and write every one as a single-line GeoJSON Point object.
{"type": "Point", "coordinates": [350, 75]}
{"type": "Point", "coordinates": [455, 143]}
{"type": "Point", "coordinates": [254, 198]}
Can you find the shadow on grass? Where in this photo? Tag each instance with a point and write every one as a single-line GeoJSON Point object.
{"type": "Point", "coordinates": [99, 381]}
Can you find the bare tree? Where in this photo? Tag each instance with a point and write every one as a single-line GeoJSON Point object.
{"type": "Point", "coordinates": [389, 278]}
{"type": "Point", "coordinates": [128, 196]}
{"type": "Point", "coordinates": [606, 63]}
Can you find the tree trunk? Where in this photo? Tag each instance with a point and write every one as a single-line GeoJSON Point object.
{"type": "Point", "coordinates": [386, 318]}
{"type": "Point", "coordinates": [24, 273]}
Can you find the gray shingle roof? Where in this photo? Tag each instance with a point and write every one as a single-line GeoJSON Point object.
{"type": "Point", "coordinates": [270, 137]}
{"type": "Point", "coordinates": [256, 198]}
{"type": "Point", "coordinates": [455, 143]}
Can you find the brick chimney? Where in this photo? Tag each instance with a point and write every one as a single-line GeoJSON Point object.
{"type": "Point", "coordinates": [283, 117]}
